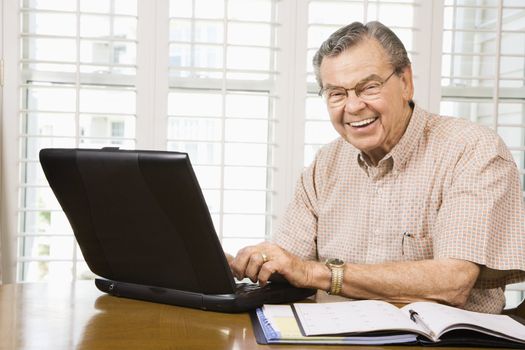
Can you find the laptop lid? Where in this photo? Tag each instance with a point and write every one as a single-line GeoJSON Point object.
{"type": "Point", "coordinates": [142, 223]}
{"type": "Point", "coordinates": [139, 217]}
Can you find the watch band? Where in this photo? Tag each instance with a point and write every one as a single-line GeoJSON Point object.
{"type": "Point", "coordinates": [337, 267]}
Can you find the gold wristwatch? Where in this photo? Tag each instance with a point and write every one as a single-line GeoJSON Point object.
{"type": "Point", "coordinates": [337, 268]}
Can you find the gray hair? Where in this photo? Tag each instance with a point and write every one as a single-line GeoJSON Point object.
{"type": "Point", "coordinates": [353, 34]}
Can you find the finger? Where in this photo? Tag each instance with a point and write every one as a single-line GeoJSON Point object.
{"type": "Point", "coordinates": [254, 265]}
{"type": "Point", "coordinates": [266, 271]}
{"type": "Point", "coordinates": [240, 262]}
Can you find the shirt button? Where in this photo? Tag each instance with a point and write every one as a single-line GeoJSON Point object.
{"type": "Point", "coordinates": [378, 190]}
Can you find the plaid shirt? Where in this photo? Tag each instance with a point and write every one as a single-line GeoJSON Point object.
{"type": "Point", "coordinates": [448, 189]}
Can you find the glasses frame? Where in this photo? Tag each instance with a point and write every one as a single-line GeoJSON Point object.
{"type": "Point", "coordinates": [358, 92]}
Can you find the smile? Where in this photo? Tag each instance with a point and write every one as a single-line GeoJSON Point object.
{"type": "Point", "coordinates": [363, 123]}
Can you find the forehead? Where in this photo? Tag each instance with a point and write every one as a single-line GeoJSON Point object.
{"type": "Point", "coordinates": [354, 64]}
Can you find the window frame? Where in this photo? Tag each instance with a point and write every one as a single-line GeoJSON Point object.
{"type": "Point", "coordinates": [3, 228]}
{"type": "Point", "coordinates": [10, 136]}
{"type": "Point", "coordinates": [153, 84]}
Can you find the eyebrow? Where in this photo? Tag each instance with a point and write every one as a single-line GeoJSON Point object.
{"type": "Point", "coordinates": [368, 78]}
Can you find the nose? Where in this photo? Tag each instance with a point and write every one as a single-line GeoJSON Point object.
{"type": "Point", "coordinates": [353, 103]}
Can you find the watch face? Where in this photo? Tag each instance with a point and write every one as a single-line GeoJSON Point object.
{"type": "Point", "coordinates": [335, 262]}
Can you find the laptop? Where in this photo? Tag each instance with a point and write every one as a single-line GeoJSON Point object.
{"type": "Point", "coordinates": [144, 228]}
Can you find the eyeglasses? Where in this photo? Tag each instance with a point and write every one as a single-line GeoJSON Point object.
{"type": "Point", "coordinates": [367, 89]}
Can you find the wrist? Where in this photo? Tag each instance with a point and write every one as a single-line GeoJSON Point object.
{"type": "Point", "coordinates": [321, 276]}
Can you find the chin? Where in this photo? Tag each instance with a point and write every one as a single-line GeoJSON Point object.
{"type": "Point", "coordinates": [366, 147]}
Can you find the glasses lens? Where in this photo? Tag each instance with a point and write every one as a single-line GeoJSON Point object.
{"type": "Point", "coordinates": [369, 90]}
{"type": "Point", "coordinates": [335, 96]}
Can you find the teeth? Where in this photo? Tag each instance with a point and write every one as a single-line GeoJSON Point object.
{"type": "Point", "coordinates": [363, 122]}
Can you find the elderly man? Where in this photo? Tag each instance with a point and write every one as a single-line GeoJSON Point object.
{"type": "Point", "coordinates": [405, 205]}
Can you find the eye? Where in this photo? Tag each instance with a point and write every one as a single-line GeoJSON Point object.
{"type": "Point", "coordinates": [371, 85]}
{"type": "Point", "coordinates": [370, 88]}
{"type": "Point", "coordinates": [336, 93]}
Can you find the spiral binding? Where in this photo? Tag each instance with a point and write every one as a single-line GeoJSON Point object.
{"type": "Point", "coordinates": [266, 327]}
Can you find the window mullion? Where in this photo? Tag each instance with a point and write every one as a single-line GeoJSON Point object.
{"type": "Point", "coordinates": [496, 93]}
{"type": "Point", "coordinates": [161, 74]}
{"type": "Point", "coordinates": [224, 86]}
{"type": "Point", "coordinates": [2, 228]}
{"type": "Point", "coordinates": [290, 106]}
{"type": "Point", "coordinates": [428, 24]}
{"type": "Point", "coordinates": [145, 78]}
{"type": "Point", "coordinates": [77, 121]}
{"type": "Point", "coordinates": [151, 77]}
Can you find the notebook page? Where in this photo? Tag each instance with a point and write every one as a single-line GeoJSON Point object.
{"type": "Point", "coordinates": [441, 318]}
{"type": "Point", "coordinates": [285, 330]}
{"type": "Point", "coordinates": [353, 317]}
{"type": "Point", "coordinates": [282, 319]}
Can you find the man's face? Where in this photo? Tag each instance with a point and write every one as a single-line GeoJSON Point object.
{"type": "Point", "coordinates": [373, 126]}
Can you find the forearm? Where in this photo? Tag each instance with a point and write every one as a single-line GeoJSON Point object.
{"type": "Point", "coordinates": [447, 281]}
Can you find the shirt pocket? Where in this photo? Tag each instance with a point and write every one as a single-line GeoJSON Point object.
{"type": "Point", "coordinates": [417, 247]}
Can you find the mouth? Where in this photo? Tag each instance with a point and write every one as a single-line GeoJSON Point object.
{"type": "Point", "coordinates": [362, 123]}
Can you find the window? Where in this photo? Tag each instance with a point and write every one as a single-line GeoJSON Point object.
{"type": "Point", "coordinates": [79, 80]}
{"type": "Point", "coordinates": [77, 89]}
{"type": "Point", "coordinates": [483, 67]}
{"type": "Point", "coordinates": [228, 81]}
{"type": "Point", "coordinates": [222, 76]}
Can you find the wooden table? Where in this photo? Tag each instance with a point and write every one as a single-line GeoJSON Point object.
{"type": "Point", "coordinates": [78, 316]}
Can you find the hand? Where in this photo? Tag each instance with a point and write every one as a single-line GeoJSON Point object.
{"type": "Point", "coordinates": [260, 261]}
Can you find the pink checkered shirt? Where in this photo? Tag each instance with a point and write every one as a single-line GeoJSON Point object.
{"type": "Point", "coordinates": [449, 187]}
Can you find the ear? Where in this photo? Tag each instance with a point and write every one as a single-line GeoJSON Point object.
{"type": "Point", "coordinates": [407, 84]}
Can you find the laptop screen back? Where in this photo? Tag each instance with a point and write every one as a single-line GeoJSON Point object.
{"type": "Point", "coordinates": [139, 217]}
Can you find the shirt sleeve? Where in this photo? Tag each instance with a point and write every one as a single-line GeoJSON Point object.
{"type": "Point", "coordinates": [482, 216]}
{"type": "Point", "coordinates": [297, 232]}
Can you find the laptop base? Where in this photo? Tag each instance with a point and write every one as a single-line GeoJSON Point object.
{"type": "Point", "coordinates": [275, 293]}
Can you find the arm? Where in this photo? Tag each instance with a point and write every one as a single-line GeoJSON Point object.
{"type": "Point", "coordinates": [447, 281]}
{"type": "Point", "coordinates": [481, 218]}
{"type": "Point", "coordinates": [293, 256]}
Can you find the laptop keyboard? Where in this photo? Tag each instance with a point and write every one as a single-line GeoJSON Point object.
{"type": "Point", "coordinates": [245, 288]}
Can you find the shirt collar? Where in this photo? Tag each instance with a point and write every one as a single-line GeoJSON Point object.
{"type": "Point", "coordinates": [404, 149]}
{"type": "Point", "coordinates": [397, 158]}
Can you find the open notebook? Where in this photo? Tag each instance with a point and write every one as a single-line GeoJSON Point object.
{"type": "Point", "coordinates": [377, 322]}
{"type": "Point", "coordinates": [142, 224]}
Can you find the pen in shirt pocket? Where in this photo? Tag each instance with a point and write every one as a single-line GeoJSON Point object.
{"type": "Point", "coordinates": [405, 234]}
